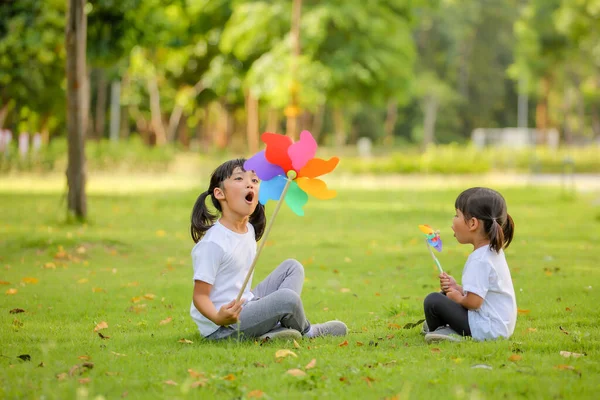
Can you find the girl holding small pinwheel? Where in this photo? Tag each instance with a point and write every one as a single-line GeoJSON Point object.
{"type": "Point", "coordinates": [226, 251]}
{"type": "Point", "coordinates": [484, 307]}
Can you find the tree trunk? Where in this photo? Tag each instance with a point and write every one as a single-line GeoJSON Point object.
{"type": "Point", "coordinates": [101, 104]}
{"type": "Point", "coordinates": [75, 40]}
{"type": "Point", "coordinates": [390, 122]}
{"type": "Point", "coordinates": [595, 120]}
{"type": "Point", "coordinates": [340, 128]}
{"type": "Point", "coordinates": [252, 130]}
{"type": "Point", "coordinates": [44, 131]}
{"type": "Point", "coordinates": [221, 131]}
{"type": "Point", "coordinates": [272, 120]}
{"type": "Point", "coordinates": [125, 110]}
{"type": "Point", "coordinates": [430, 117]}
{"type": "Point", "coordinates": [542, 120]}
{"type": "Point", "coordinates": [317, 127]}
{"type": "Point", "coordinates": [3, 114]}
{"type": "Point", "coordinates": [178, 112]}
{"type": "Point", "coordinates": [115, 110]}
{"type": "Point", "coordinates": [293, 110]}
{"type": "Point", "coordinates": [182, 133]}
{"type": "Point", "coordinates": [156, 116]}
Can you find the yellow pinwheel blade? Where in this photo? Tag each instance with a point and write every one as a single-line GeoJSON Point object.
{"type": "Point", "coordinates": [316, 188]}
{"type": "Point", "coordinates": [426, 229]}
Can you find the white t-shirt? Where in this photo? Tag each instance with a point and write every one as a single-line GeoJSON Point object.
{"type": "Point", "coordinates": [486, 274]}
{"type": "Point", "coordinates": [222, 259]}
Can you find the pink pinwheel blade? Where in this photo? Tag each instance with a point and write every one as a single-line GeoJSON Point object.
{"type": "Point", "coordinates": [303, 150]}
{"type": "Point", "coordinates": [263, 169]}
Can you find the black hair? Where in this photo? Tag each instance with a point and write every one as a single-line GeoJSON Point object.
{"type": "Point", "coordinates": [489, 207]}
{"type": "Point", "coordinates": [202, 219]}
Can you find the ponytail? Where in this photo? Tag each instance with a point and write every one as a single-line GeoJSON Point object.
{"type": "Point", "coordinates": [508, 229]}
{"type": "Point", "coordinates": [496, 235]}
{"type": "Point", "coordinates": [202, 219]}
{"type": "Point", "coordinates": [258, 219]}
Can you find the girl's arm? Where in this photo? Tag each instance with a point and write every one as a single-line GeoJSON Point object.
{"type": "Point", "coordinates": [471, 301]}
{"type": "Point", "coordinates": [227, 315]}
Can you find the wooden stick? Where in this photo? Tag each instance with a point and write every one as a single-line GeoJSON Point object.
{"type": "Point", "coordinates": [434, 257]}
{"type": "Point", "coordinates": [264, 238]}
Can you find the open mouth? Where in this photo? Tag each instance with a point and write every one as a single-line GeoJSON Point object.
{"type": "Point", "coordinates": [249, 197]}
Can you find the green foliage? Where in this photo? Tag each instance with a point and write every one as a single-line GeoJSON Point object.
{"type": "Point", "coordinates": [460, 159]}
{"type": "Point", "coordinates": [138, 244]}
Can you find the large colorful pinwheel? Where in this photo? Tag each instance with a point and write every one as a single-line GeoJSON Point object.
{"type": "Point", "coordinates": [288, 172]}
{"type": "Point", "coordinates": [284, 161]}
{"type": "Point", "coordinates": [432, 238]}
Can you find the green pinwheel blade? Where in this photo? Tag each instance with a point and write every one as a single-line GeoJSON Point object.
{"type": "Point", "coordinates": [295, 198]}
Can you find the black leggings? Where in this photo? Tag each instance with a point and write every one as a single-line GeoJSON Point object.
{"type": "Point", "coordinates": [441, 311]}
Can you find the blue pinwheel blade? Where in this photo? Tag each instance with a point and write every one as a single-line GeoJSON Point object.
{"type": "Point", "coordinates": [271, 189]}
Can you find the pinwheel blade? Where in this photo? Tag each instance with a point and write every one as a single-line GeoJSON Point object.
{"type": "Point", "coordinates": [303, 150]}
{"type": "Point", "coordinates": [277, 149]}
{"type": "Point", "coordinates": [263, 169]}
{"type": "Point", "coordinates": [316, 188]}
{"type": "Point", "coordinates": [317, 167]}
{"type": "Point", "coordinates": [436, 243]}
{"type": "Point", "coordinates": [426, 229]}
{"type": "Point", "coordinates": [271, 189]}
{"type": "Point", "coordinates": [296, 199]}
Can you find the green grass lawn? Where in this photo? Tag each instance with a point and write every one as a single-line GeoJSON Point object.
{"type": "Point", "coordinates": [365, 263]}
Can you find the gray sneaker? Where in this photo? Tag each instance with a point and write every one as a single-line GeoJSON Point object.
{"type": "Point", "coordinates": [330, 328]}
{"type": "Point", "coordinates": [281, 333]}
{"type": "Point", "coordinates": [443, 333]}
{"type": "Point", "coordinates": [425, 329]}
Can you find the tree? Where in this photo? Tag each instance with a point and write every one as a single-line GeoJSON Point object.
{"type": "Point", "coordinates": [75, 39]}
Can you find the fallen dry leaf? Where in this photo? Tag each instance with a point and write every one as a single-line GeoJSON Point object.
{"type": "Point", "coordinates": [201, 383]}
{"type": "Point", "coordinates": [531, 329]}
{"type": "Point", "coordinates": [49, 265]}
{"type": "Point", "coordinates": [98, 290]}
{"type": "Point", "coordinates": [368, 379]}
{"type": "Point", "coordinates": [523, 312]}
{"type": "Point", "coordinates": [101, 325]}
{"type": "Point", "coordinates": [284, 353]}
{"type": "Point", "coordinates": [435, 350]}
{"type": "Point", "coordinates": [12, 291]}
{"type": "Point", "coordinates": [102, 336]}
{"type": "Point", "coordinates": [84, 357]}
{"type": "Point", "coordinates": [4, 283]}
{"type": "Point", "coordinates": [359, 344]}
{"type": "Point", "coordinates": [170, 382]}
{"type": "Point", "coordinates": [345, 290]}
{"type": "Point", "coordinates": [62, 376]}
{"type": "Point", "coordinates": [563, 330]}
{"type": "Point", "coordinates": [195, 374]}
{"type": "Point", "coordinates": [568, 354]}
{"type": "Point", "coordinates": [160, 233]}
{"type": "Point", "coordinates": [568, 309]}
{"type": "Point", "coordinates": [311, 364]}
{"type": "Point", "coordinates": [119, 354]}
{"type": "Point", "coordinates": [29, 280]}
{"type": "Point", "coordinates": [394, 326]}
{"type": "Point", "coordinates": [84, 381]}
{"type": "Point", "coordinates": [83, 280]}
{"type": "Point", "coordinates": [185, 341]}
{"type": "Point", "coordinates": [149, 296]}
{"type": "Point", "coordinates": [165, 321]}
{"type": "Point", "coordinates": [136, 299]}
{"type": "Point", "coordinates": [515, 358]}
{"type": "Point", "coordinates": [296, 372]}
{"type": "Point", "coordinates": [255, 394]}
{"type": "Point", "coordinates": [230, 377]}
{"type": "Point", "coordinates": [343, 344]}
{"type": "Point", "coordinates": [296, 345]}
{"type": "Point", "coordinates": [16, 311]}
{"type": "Point", "coordinates": [564, 366]}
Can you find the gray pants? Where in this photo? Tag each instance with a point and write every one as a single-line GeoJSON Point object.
{"type": "Point", "coordinates": [276, 303]}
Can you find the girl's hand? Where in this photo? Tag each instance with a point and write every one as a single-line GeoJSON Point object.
{"type": "Point", "coordinates": [447, 283]}
{"type": "Point", "coordinates": [229, 313]}
{"type": "Point", "coordinates": [455, 296]}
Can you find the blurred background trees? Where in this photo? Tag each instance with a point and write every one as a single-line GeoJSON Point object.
{"type": "Point", "coordinates": [210, 75]}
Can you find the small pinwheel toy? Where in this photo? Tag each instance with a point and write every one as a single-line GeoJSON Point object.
{"type": "Point", "coordinates": [288, 172]}
{"type": "Point", "coordinates": [432, 239]}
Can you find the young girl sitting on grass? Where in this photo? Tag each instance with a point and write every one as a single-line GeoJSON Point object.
{"type": "Point", "coordinates": [222, 256]}
{"type": "Point", "coordinates": [484, 307]}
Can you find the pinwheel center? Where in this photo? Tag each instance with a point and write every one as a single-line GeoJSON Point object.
{"type": "Point", "coordinates": [291, 174]}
